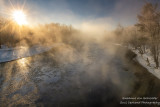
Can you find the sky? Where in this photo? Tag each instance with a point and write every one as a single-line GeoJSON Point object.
{"type": "Point", "coordinates": [93, 14]}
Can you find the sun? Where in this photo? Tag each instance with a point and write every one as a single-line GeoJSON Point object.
{"type": "Point", "coordinates": [19, 17]}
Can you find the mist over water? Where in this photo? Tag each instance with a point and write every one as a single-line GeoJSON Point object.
{"type": "Point", "coordinates": [82, 74]}
{"type": "Point", "coordinates": [71, 54]}
{"type": "Point", "coordinates": [82, 69]}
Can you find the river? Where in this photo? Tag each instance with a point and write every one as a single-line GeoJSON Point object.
{"type": "Point", "coordinates": [97, 76]}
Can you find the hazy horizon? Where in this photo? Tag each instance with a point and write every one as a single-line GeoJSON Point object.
{"type": "Point", "coordinates": [91, 14]}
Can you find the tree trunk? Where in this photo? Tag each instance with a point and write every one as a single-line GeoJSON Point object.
{"type": "Point", "coordinates": [155, 51]}
{"type": "Point", "coordinates": [144, 49]}
{"type": "Point", "coordinates": [157, 62]}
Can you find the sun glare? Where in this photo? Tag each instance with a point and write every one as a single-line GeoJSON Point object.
{"type": "Point", "coordinates": [22, 62]}
{"type": "Point", "coordinates": [20, 17]}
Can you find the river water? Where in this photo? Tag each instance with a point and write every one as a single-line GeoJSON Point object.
{"type": "Point", "coordinates": [97, 76]}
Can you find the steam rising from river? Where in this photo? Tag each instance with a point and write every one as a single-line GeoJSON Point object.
{"type": "Point", "coordinates": [74, 70]}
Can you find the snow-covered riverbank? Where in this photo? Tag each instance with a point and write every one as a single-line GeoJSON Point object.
{"type": "Point", "coordinates": [9, 54]}
{"type": "Point", "coordinates": [147, 61]}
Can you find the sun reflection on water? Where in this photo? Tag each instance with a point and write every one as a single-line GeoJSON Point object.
{"type": "Point", "coordinates": [22, 62]}
{"type": "Point", "coordinates": [23, 65]}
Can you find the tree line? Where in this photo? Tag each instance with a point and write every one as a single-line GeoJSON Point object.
{"type": "Point", "coordinates": [145, 34]}
{"type": "Point", "coordinates": [12, 35]}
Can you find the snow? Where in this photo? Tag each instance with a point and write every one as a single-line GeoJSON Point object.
{"type": "Point", "coordinates": [142, 59]}
{"type": "Point", "coordinates": [10, 54]}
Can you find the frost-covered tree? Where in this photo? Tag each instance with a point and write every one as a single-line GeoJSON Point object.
{"type": "Point", "coordinates": [2, 26]}
{"type": "Point", "coordinates": [149, 24]}
{"type": "Point", "coordinates": [119, 33]}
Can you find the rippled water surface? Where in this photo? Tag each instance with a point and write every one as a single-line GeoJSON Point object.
{"type": "Point", "coordinates": [98, 76]}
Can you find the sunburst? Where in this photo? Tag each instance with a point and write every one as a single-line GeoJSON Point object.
{"type": "Point", "coordinates": [19, 17]}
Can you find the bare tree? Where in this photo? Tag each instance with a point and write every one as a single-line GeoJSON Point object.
{"type": "Point", "coordinates": [119, 32]}
{"type": "Point", "coordinates": [149, 23]}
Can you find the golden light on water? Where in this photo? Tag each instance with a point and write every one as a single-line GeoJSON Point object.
{"type": "Point", "coordinates": [20, 17]}
{"type": "Point", "coordinates": [22, 62]}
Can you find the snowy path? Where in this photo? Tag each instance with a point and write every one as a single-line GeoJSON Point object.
{"type": "Point", "coordinates": [11, 54]}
